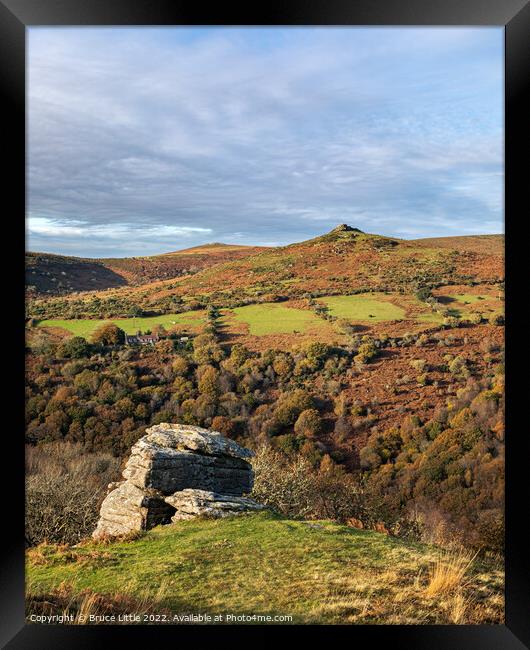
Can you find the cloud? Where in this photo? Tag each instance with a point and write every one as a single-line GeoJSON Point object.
{"type": "Point", "coordinates": [106, 237]}
{"type": "Point", "coordinates": [142, 137]}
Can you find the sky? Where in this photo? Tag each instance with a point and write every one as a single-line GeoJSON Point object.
{"type": "Point", "coordinates": [148, 140]}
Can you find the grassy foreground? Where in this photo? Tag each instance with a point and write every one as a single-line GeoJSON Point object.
{"type": "Point", "coordinates": [317, 572]}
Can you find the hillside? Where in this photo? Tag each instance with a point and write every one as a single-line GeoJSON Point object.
{"type": "Point", "coordinates": [489, 244]}
{"type": "Point", "coordinates": [316, 572]}
{"type": "Point", "coordinates": [48, 274]}
{"type": "Point", "coordinates": [344, 261]}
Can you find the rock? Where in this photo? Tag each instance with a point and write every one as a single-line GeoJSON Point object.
{"type": "Point", "coordinates": [175, 457]}
{"type": "Point", "coordinates": [344, 227]}
{"type": "Point", "coordinates": [193, 503]}
{"type": "Point", "coordinates": [177, 472]}
{"type": "Point", "coordinates": [127, 509]}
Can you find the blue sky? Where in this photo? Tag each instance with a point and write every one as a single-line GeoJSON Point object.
{"type": "Point", "coordinates": [146, 140]}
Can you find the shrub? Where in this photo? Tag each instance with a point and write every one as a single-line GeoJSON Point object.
{"type": "Point", "coordinates": [293, 487]}
{"type": "Point", "coordinates": [64, 489]}
{"type": "Point", "coordinates": [496, 319]}
{"type": "Point", "coordinates": [283, 365]}
{"type": "Point", "coordinates": [365, 352]}
{"type": "Point", "coordinates": [75, 347]}
{"type": "Point", "coordinates": [451, 322]}
{"type": "Point", "coordinates": [423, 293]}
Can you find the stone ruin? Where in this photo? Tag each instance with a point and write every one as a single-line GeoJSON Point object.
{"type": "Point", "coordinates": [177, 472]}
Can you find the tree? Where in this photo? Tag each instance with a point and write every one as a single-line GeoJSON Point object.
{"type": "Point", "coordinates": [75, 348]}
{"type": "Point", "coordinates": [159, 330]}
{"type": "Point", "coordinates": [208, 383]}
{"type": "Point", "coordinates": [308, 424]}
{"type": "Point", "coordinates": [239, 354]}
{"type": "Point", "coordinates": [135, 312]}
{"type": "Point", "coordinates": [108, 334]}
{"type": "Point", "coordinates": [180, 366]}
{"type": "Point", "coordinates": [290, 405]}
{"type": "Point", "coordinates": [223, 424]}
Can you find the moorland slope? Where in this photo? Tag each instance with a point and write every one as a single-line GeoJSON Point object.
{"type": "Point", "coordinates": [48, 274]}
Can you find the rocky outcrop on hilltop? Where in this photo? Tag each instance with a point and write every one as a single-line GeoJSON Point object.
{"type": "Point", "coordinates": [177, 472]}
{"type": "Point", "coordinates": [344, 227]}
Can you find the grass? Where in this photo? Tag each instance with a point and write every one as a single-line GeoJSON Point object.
{"type": "Point", "coordinates": [430, 317]}
{"type": "Point", "coordinates": [469, 298]}
{"type": "Point", "coordinates": [317, 572]}
{"type": "Point", "coordinates": [449, 572]}
{"type": "Point", "coordinates": [272, 318]}
{"type": "Point", "coordinates": [85, 327]}
{"type": "Point", "coordinates": [362, 308]}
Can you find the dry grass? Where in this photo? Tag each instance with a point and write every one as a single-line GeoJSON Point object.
{"type": "Point", "coordinates": [448, 572]}
{"type": "Point", "coordinates": [87, 606]}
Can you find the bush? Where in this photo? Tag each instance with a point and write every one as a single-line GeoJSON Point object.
{"type": "Point", "coordinates": [64, 489]}
{"type": "Point", "coordinates": [75, 347]}
{"type": "Point", "coordinates": [451, 322]}
{"type": "Point", "coordinates": [293, 487]}
{"type": "Point", "coordinates": [423, 293]}
{"type": "Point", "coordinates": [366, 351]}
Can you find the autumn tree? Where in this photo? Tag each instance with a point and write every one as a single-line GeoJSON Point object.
{"type": "Point", "coordinates": [308, 424]}
{"type": "Point", "coordinates": [208, 383]}
{"type": "Point", "coordinates": [108, 334]}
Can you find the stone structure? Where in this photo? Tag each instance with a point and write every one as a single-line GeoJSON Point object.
{"type": "Point", "coordinates": [177, 472]}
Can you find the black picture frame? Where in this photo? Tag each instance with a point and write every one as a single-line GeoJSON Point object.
{"type": "Point", "coordinates": [514, 15]}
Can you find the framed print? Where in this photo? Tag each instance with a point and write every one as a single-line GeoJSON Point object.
{"type": "Point", "coordinates": [270, 338]}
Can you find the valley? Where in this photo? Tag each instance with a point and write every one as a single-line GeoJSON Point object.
{"type": "Point", "coordinates": [376, 357]}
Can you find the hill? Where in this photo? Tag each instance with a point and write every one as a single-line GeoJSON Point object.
{"type": "Point", "coordinates": [48, 274]}
{"type": "Point", "coordinates": [342, 262]}
{"type": "Point", "coordinates": [265, 565]}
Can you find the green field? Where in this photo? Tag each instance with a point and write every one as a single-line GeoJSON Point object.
{"type": "Point", "coordinates": [262, 564]}
{"type": "Point", "coordinates": [272, 318]}
{"type": "Point", "coordinates": [362, 307]}
{"type": "Point", "coordinates": [430, 317]}
{"type": "Point", "coordinates": [469, 298]}
{"type": "Point", "coordinates": [85, 327]}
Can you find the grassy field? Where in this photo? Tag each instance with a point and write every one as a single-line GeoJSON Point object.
{"type": "Point", "coordinates": [317, 572]}
{"type": "Point", "coordinates": [362, 308]}
{"type": "Point", "coordinates": [469, 298]}
{"type": "Point", "coordinates": [272, 318]}
{"type": "Point", "coordinates": [85, 327]}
